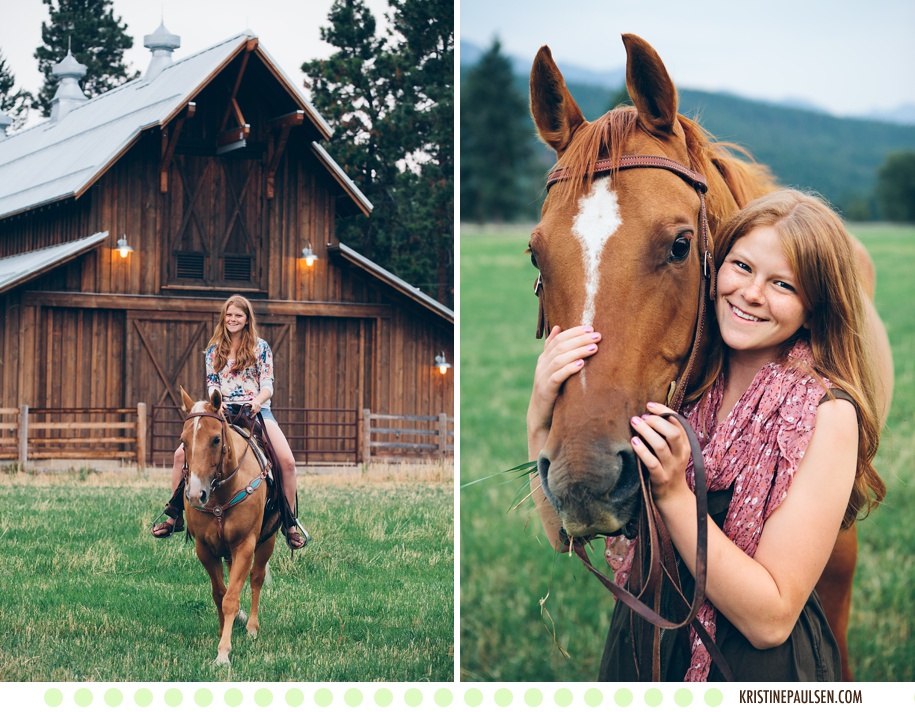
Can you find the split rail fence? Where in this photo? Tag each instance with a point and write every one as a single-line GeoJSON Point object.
{"type": "Point", "coordinates": [148, 435]}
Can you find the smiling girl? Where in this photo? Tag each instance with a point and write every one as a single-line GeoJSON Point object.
{"type": "Point", "coordinates": [787, 419]}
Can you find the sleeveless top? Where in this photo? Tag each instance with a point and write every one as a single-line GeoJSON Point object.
{"type": "Point", "coordinates": [810, 654]}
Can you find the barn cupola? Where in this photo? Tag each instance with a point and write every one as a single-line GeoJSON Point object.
{"type": "Point", "coordinates": [69, 95]}
{"type": "Point", "coordinates": [161, 43]}
{"type": "Point", "coordinates": [5, 122]}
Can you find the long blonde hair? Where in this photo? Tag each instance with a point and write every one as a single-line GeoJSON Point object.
{"type": "Point", "coordinates": [222, 339]}
{"type": "Point", "coordinates": [821, 254]}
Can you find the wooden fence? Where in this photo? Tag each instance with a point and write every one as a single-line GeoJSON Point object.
{"type": "Point", "coordinates": [149, 435]}
{"type": "Point", "coordinates": [73, 433]}
{"type": "Point", "coordinates": [315, 435]}
{"type": "Point", "coordinates": [394, 438]}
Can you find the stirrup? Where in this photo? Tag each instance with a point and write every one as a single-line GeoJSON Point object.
{"type": "Point", "coordinates": [177, 526]}
{"type": "Point", "coordinates": [305, 535]}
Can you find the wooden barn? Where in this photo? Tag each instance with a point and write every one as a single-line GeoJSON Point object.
{"type": "Point", "coordinates": [127, 219]}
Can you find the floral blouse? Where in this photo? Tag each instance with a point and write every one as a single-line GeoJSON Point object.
{"type": "Point", "coordinates": [243, 386]}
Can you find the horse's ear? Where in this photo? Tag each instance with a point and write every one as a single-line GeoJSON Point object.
{"type": "Point", "coordinates": [555, 112]}
{"type": "Point", "coordinates": [650, 86]}
{"type": "Point", "coordinates": [216, 400]}
{"type": "Point", "coordinates": [188, 403]}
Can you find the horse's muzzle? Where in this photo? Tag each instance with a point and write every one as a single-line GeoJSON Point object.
{"type": "Point", "coordinates": [598, 493]}
{"type": "Point", "coordinates": [198, 493]}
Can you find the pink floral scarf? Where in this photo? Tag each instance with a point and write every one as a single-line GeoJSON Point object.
{"type": "Point", "coordinates": [757, 450]}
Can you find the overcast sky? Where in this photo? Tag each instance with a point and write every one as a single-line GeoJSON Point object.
{"type": "Point", "coordinates": [846, 56]}
{"type": "Point", "coordinates": [288, 29]}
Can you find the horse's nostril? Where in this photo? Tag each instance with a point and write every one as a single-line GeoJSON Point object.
{"type": "Point", "coordinates": [203, 497]}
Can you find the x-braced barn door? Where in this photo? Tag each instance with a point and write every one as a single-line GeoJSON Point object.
{"type": "Point", "coordinates": [214, 224]}
{"type": "Point", "coordinates": [165, 351]}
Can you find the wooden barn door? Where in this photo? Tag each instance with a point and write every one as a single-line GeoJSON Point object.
{"type": "Point", "coordinates": [337, 362]}
{"type": "Point", "coordinates": [165, 351]}
{"type": "Point", "coordinates": [279, 332]}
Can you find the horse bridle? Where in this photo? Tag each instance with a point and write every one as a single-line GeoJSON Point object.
{"type": "Point", "coordinates": [678, 387]}
{"type": "Point", "coordinates": [220, 479]}
{"type": "Point", "coordinates": [216, 510]}
{"type": "Point", "coordinates": [661, 556]}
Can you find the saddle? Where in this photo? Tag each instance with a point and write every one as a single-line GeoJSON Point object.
{"type": "Point", "coordinates": [251, 426]}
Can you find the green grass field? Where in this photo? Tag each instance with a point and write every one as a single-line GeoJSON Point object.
{"type": "Point", "coordinates": [507, 567]}
{"type": "Point", "coordinates": [89, 595]}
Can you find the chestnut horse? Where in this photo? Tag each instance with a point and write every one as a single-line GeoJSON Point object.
{"type": "Point", "coordinates": [227, 511]}
{"type": "Point", "coordinates": [629, 262]}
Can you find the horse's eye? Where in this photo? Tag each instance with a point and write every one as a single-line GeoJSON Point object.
{"type": "Point", "coordinates": [680, 249]}
{"type": "Point", "coordinates": [533, 257]}
{"type": "Point", "coordinates": [216, 440]}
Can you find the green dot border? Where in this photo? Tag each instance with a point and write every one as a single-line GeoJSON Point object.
{"type": "Point", "coordinates": [375, 696]}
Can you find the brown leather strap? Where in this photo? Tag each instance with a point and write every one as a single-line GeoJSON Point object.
{"type": "Point", "coordinates": [659, 540]}
{"type": "Point", "coordinates": [605, 165]}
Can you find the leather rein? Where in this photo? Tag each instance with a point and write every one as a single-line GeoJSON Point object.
{"type": "Point", "coordinates": [662, 559]}
{"type": "Point", "coordinates": [219, 511]}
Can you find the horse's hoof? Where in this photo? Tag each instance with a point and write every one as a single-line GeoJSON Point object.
{"type": "Point", "coordinates": [222, 660]}
{"type": "Point", "coordinates": [252, 633]}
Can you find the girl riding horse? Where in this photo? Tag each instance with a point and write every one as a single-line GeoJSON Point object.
{"type": "Point", "coordinates": [239, 364]}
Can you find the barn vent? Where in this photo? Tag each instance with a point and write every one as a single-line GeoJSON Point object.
{"type": "Point", "coordinates": [68, 95]}
{"type": "Point", "coordinates": [237, 268]}
{"type": "Point", "coordinates": [189, 266]}
{"type": "Point", "coordinates": [161, 43]}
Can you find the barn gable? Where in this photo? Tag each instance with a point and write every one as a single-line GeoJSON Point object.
{"type": "Point", "coordinates": [211, 171]}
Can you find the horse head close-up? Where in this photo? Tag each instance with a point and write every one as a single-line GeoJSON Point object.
{"type": "Point", "coordinates": [205, 445]}
{"type": "Point", "coordinates": [622, 246]}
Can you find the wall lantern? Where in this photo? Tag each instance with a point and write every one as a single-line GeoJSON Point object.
{"type": "Point", "coordinates": [442, 364]}
{"type": "Point", "coordinates": [308, 255]}
{"type": "Point", "coordinates": [123, 247]}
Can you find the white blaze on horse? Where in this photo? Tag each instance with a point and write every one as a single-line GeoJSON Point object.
{"type": "Point", "coordinates": [619, 247]}
{"type": "Point", "coordinates": [228, 511]}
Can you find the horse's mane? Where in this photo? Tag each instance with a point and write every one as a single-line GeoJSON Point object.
{"type": "Point", "coordinates": [733, 181]}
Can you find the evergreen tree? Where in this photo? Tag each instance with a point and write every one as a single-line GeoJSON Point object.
{"type": "Point", "coordinates": [495, 142]}
{"type": "Point", "coordinates": [426, 118]}
{"type": "Point", "coordinates": [13, 103]}
{"type": "Point", "coordinates": [98, 39]}
{"type": "Point", "coordinates": [896, 187]}
{"type": "Point", "coordinates": [390, 101]}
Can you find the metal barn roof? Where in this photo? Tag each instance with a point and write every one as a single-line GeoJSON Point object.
{"type": "Point", "coordinates": [392, 280]}
{"type": "Point", "coordinates": [57, 160]}
{"type": "Point", "coordinates": [21, 268]}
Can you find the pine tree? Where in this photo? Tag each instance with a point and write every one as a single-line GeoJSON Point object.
{"type": "Point", "coordinates": [390, 101]}
{"type": "Point", "coordinates": [495, 142]}
{"type": "Point", "coordinates": [13, 103]}
{"type": "Point", "coordinates": [895, 190]}
{"type": "Point", "coordinates": [98, 39]}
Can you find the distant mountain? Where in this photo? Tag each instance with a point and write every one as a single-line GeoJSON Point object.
{"type": "Point", "coordinates": [616, 78]}
{"type": "Point", "coordinates": [903, 114]}
{"type": "Point", "coordinates": [810, 149]}
{"type": "Point", "coordinates": [574, 74]}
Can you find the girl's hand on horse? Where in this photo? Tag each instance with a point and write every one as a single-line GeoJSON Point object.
{"type": "Point", "coordinates": [663, 447]}
{"type": "Point", "coordinates": [564, 354]}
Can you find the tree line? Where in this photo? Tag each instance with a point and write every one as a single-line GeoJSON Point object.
{"type": "Point", "coordinates": [388, 95]}
{"type": "Point", "coordinates": [503, 165]}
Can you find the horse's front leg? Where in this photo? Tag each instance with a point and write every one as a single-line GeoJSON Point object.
{"type": "Point", "coordinates": [213, 566]}
{"type": "Point", "coordinates": [258, 575]}
{"type": "Point", "coordinates": [242, 556]}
